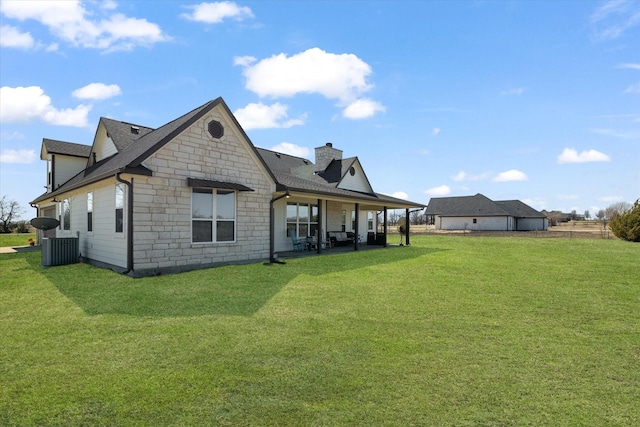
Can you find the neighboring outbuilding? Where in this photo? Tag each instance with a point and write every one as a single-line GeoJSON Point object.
{"type": "Point", "coordinates": [480, 213]}
{"type": "Point", "coordinates": [196, 192]}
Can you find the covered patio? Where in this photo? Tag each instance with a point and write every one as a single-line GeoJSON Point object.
{"type": "Point", "coordinates": [325, 201]}
{"type": "Point", "coordinates": [310, 252]}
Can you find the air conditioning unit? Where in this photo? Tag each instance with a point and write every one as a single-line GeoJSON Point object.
{"type": "Point", "coordinates": [60, 251]}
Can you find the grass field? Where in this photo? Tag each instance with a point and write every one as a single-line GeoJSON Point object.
{"type": "Point", "coordinates": [451, 331]}
{"type": "Point", "coordinates": [15, 239]}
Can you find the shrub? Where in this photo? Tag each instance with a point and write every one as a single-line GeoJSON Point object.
{"type": "Point", "coordinates": [626, 225]}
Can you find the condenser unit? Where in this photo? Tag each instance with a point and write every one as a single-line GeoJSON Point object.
{"type": "Point", "coordinates": [60, 251]}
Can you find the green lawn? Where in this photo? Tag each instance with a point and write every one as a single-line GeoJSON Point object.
{"type": "Point", "coordinates": [452, 331]}
{"type": "Point", "coordinates": [16, 239]}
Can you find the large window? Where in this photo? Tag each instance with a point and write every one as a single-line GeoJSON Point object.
{"type": "Point", "coordinates": [213, 215]}
{"type": "Point", "coordinates": [119, 208]}
{"type": "Point", "coordinates": [90, 211]}
{"type": "Point", "coordinates": [369, 221]}
{"type": "Point", "coordinates": [66, 214]}
{"type": "Point", "coordinates": [302, 219]}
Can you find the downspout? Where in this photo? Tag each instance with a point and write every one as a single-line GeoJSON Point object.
{"type": "Point", "coordinates": [385, 227]}
{"type": "Point", "coordinates": [129, 221]}
{"type": "Point", "coordinates": [320, 238]}
{"type": "Point", "coordinates": [272, 227]}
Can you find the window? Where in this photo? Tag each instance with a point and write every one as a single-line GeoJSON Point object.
{"type": "Point", "coordinates": [370, 221]}
{"type": "Point", "coordinates": [213, 215]}
{"type": "Point", "coordinates": [119, 208]}
{"type": "Point", "coordinates": [49, 174]}
{"type": "Point", "coordinates": [475, 220]}
{"type": "Point", "coordinates": [215, 129]}
{"type": "Point", "coordinates": [66, 214]}
{"type": "Point", "coordinates": [90, 211]}
{"type": "Point", "coordinates": [302, 219]}
{"type": "Point", "coordinates": [344, 220]}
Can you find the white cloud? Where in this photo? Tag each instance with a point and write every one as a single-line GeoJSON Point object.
{"type": "Point", "coordinates": [18, 156]}
{"type": "Point", "coordinates": [611, 199]}
{"type": "Point", "coordinates": [613, 18]}
{"type": "Point", "coordinates": [12, 37]}
{"type": "Point", "coordinates": [244, 61]}
{"type": "Point", "coordinates": [513, 91]}
{"type": "Point", "coordinates": [442, 190]}
{"type": "Point", "coordinates": [261, 116]}
{"type": "Point", "coordinates": [435, 131]}
{"type": "Point", "coordinates": [334, 76]}
{"type": "Point", "coordinates": [341, 77]}
{"type": "Point", "coordinates": [97, 91]}
{"type": "Point", "coordinates": [464, 176]}
{"type": "Point", "coordinates": [629, 66]}
{"type": "Point", "coordinates": [400, 195]}
{"type": "Point", "coordinates": [362, 109]}
{"type": "Point", "coordinates": [71, 22]}
{"type": "Point", "coordinates": [216, 12]}
{"type": "Point", "coordinates": [291, 149]}
{"type": "Point", "coordinates": [631, 134]}
{"type": "Point", "coordinates": [570, 155]}
{"type": "Point", "coordinates": [27, 104]}
{"type": "Point", "coordinates": [511, 175]}
{"type": "Point", "coordinates": [635, 88]}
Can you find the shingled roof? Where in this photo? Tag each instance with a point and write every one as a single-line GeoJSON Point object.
{"type": "Point", "coordinates": [122, 133]}
{"type": "Point", "coordinates": [519, 209]}
{"type": "Point", "coordinates": [53, 146]}
{"type": "Point", "coordinates": [136, 143]}
{"type": "Point", "coordinates": [480, 205]}
{"type": "Point", "coordinates": [129, 159]}
{"type": "Point", "coordinates": [299, 174]}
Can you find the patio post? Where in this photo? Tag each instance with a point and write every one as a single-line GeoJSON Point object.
{"type": "Point", "coordinates": [406, 227]}
{"type": "Point", "coordinates": [384, 227]}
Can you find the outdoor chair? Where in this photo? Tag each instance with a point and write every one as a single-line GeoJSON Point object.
{"type": "Point", "coordinates": [298, 244]}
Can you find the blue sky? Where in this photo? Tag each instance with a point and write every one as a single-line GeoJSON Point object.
{"type": "Point", "coordinates": [535, 100]}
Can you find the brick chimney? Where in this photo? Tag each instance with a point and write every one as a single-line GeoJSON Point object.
{"type": "Point", "coordinates": [325, 154]}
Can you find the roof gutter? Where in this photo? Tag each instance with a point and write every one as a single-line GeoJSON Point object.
{"type": "Point", "coordinates": [129, 221]}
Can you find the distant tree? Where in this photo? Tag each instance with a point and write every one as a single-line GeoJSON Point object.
{"type": "Point", "coordinates": [574, 215]}
{"type": "Point", "coordinates": [616, 209]}
{"type": "Point", "coordinates": [587, 215]}
{"type": "Point", "coordinates": [10, 211]}
{"type": "Point", "coordinates": [601, 215]}
{"type": "Point", "coordinates": [554, 217]}
{"type": "Point", "coordinates": [393, 218]}
{"type": "Point", "coordinates": [416, 217]}
{"type": "Point", "coordinates": [626, 225]}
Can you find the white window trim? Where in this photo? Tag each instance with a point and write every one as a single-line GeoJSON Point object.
{"type": "Point", "coordinates": [120, 234]}
{"type": "Point", "coordinates": [214, 192]}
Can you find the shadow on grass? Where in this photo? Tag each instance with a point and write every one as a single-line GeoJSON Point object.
{"type": "Point", "coordinates": [234, 290]}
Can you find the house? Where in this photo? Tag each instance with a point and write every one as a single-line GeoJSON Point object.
{"type": "Point", "coordinates": [196, 192]}
{"type": "Point", "coordinates": [483, 214]}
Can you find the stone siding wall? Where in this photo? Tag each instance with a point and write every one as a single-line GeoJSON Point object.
{"type": "Point", "coordinates": [162, 203]}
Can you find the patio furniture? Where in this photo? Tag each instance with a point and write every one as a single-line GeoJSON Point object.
{"type": "Point", "coordinates": [298, 244]}
{"type": "Point", "coordinates": [341, 238]}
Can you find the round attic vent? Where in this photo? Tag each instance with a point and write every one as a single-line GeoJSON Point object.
{"type": "Point", "coordinates": [352, 170]}
{"type": "Point", "coordinates": [215, 129]}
